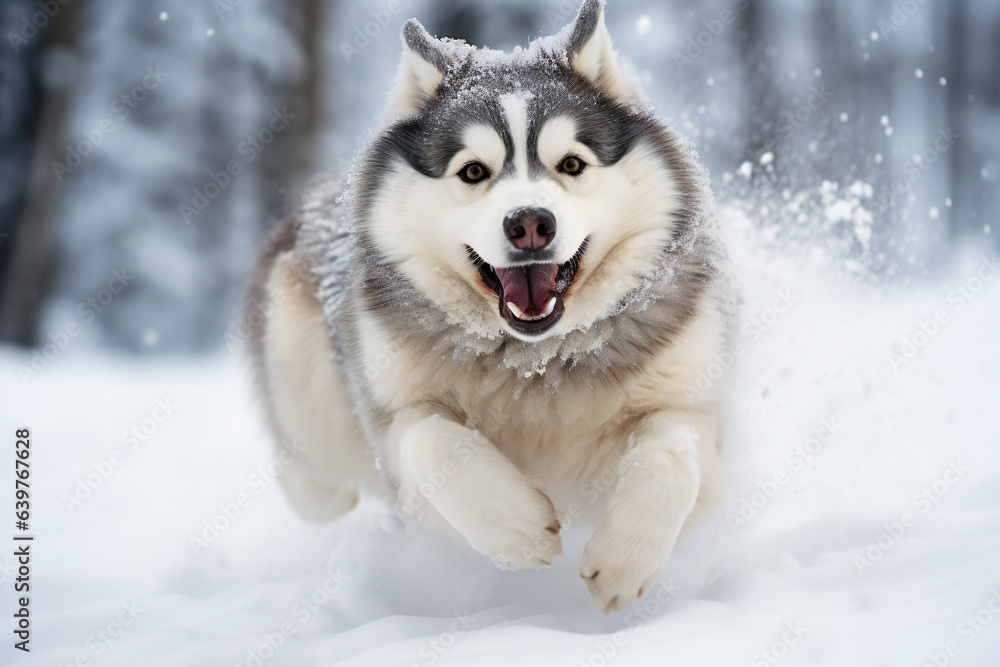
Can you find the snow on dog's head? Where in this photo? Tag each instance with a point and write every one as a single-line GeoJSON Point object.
{"type": "Point", "coordinates": [524, 194]}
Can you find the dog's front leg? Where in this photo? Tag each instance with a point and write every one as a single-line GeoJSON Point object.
{"type": "Point", "coordinates": [658, 482]}
{"type": "Point", "coordinates": [453, 472]}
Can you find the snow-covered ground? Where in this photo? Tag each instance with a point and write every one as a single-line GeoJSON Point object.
{"type": "Point", "coordinates": [863, 527]}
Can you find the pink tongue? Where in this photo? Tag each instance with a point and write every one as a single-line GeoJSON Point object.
{"type": "Point", "coordinates": [529, 287]}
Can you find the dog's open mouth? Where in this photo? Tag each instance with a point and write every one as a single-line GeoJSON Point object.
{"type": "Point", "coordinates": [531, 296]}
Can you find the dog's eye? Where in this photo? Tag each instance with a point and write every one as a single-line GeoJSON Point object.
{"type": "Point", "coordinates": [572, 166]}
{"type": "Point", "coordinates": [474, 173]}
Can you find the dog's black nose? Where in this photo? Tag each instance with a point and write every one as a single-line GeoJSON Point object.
{"type": "Point", "coordinates": [530, 228]}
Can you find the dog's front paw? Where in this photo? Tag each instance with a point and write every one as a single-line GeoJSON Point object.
{"type": "Point", "coordinates": [521, 533]}
{"type": "Point", "coordinates": [479, 493]}
{"type": "Point", "coordinates": [620, 564]}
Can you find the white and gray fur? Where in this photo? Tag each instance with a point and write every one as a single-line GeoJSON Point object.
{"type": "Point", "coordinates": [385, 360]}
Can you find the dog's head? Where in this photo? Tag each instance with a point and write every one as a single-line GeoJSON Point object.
{"type": "Point", "coordinates": [523, 193]}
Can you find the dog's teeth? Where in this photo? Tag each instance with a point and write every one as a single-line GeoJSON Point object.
{"type": "Point", "coordinates": [518, 313]}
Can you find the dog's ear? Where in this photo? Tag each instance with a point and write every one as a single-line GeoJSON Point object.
{"type": "Point", "coordinates": [591, 54]}
{"type": "Point", "coordinates": [421, 71]}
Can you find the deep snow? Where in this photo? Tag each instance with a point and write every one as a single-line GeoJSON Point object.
{"type": "Point", "coordinates": [793, 581]}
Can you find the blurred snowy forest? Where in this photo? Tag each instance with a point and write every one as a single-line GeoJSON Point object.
{"type": "Point", "coordinates": [161, 140]}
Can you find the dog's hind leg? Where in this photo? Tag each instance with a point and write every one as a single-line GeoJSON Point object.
{"type": "Point", "coordinates": [326, 457]}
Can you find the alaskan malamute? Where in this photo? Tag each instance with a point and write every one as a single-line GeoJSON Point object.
{"type": "Point", "coordinates": [502, 320]}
